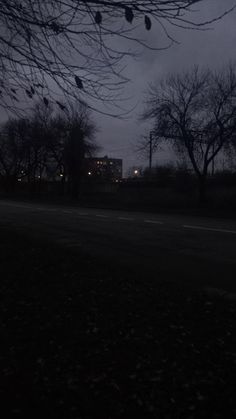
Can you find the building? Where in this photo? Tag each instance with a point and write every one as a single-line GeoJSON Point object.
{"type": "Point", "coordinates": [104, 168]}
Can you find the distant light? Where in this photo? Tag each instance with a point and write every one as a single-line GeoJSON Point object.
{"type": "Point", "coordinates": [89, 173]}
{"type": "Point", "coordinates": [19, 180]}
{"type": "Point", "coordinates": [136, 172]}
{"type": "Point", "coordinates": [39, 177]}
{"type": "Point", "coordinates": [61, 175]}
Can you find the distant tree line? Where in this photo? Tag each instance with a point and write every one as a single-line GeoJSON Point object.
{"type": "Point", "coordinates": [47, 145]}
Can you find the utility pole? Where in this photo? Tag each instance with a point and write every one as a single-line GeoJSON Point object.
{"type": "Point", "coordinates": [150, 149]}
{"type": "Point", "coordinates": [213, 162]}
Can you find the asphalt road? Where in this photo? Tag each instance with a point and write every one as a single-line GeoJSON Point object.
{"type": "Point", "coordinates": [196, 251]}
{"type": "Point", "coordinates": [79, 340]}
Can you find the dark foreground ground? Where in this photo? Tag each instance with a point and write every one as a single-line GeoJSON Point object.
{"type": "Point", "coordinates": [82, 341]}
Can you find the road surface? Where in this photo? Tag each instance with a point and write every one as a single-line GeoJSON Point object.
{"type": "Point", "coordinates": [199, 252]}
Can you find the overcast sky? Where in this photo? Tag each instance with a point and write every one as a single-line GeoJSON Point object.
{"type": "Point", "coordinates": [212, 48]}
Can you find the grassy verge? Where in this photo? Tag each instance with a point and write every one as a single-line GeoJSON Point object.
{"type": "Point", "coordinates": [173, 206]}
{"type": "Point", "coordinates": [83, 341]}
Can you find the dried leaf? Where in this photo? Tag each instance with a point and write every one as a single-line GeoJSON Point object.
{"type": "Point", "coordinates": [148, 23]}
{"type": "Point", "coordinates": [61, 106]}
{"type": "Point", "coordinates": [79, 82]}
{"type": "Point", "coordinates": [129, 14]}
{"type": "Point", "coordinates": [29, 94]}
{"type": "Point", "coordinates": [98, 18]}
{"type": "Point", "coordinates": [38, 85]}
{"type": "Point", "coordinates": [56, 27]}
{"type": "Point", "coordinates": [46, 102]}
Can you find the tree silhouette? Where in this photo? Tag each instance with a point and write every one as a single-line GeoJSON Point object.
{"type": "Point", "coordinates": [196, 112]}
{"type": "Point", "coordinates": [71, 47]}
{"type": "Point", "coordinates": [14, 135]}
{"type": "Point", "coordinates": [46, 145]}
{"type": "Point", "coordinates": [75, 142]}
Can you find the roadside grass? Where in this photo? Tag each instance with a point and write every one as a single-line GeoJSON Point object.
{"type": "Point", "coordinates": [83, 339]}
{"type": "Point", "coordinates": [221, 202]}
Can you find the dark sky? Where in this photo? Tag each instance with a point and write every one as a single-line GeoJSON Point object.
{"type": "Point", "coordinates": [212, 48]}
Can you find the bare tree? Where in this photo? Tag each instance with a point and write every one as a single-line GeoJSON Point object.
{"type": "Point", "coordinates": [24, 147]}
{"type": "Point", "coordinates": [13, 152]}
{"type": "Point", "coordinates": [196, 113]}
{"type": "Point", "coordinates": [72, 139]}
{"type": "Point", "coordinates": [146, 148]}
{"type": "Point", "coordinates": [37, 149]}
{"type": "Point", "coordinates": [71, 46]}
{"type": "Point", "coordinates": [47, 142]}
